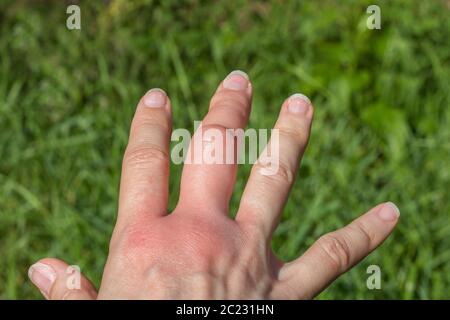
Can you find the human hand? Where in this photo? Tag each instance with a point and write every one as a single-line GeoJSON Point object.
{"type": "Point", "coordinates": [198, 251]}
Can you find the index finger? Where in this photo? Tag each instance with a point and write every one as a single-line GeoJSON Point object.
{"type": "Point", "coordinates": [145, 169]}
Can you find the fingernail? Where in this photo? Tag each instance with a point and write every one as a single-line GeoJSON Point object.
{"type": "Point", "coordinates": [298, 103]}
{"type": "Point", "coordinates": [389, 212]}
{"type": "Point", "coordinates": [43, 276]}
{"type": "Point", "coordinates": [155, 98]}
{"type": "Point", "coordinates": [236, 80]}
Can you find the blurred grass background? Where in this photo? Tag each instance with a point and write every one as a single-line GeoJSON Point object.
{"type": "Point", "coordinates": [381, 132]}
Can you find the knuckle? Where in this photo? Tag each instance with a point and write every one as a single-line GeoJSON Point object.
{"type": "Point", "coordinates": [292, 134]}
{"type": "Point", "coordinates": [234, 104]}
{"type": "Point", "coordinates": [252, 226]}
{"type": "Point", "coordinates": [69, 295]}
{"type": "Point", "coordinates": [76, 294]}
{"type": "Point", "coordinates": [216, 126]}
{"type": "Point", "coordinates": [365, 234]}
{"type": "Point", "coordinates": [62, 291]}
{"type": "Point", "coordinates": [145, 156]}
{"type": "Point", "coordinates": [218, 131]}
{"type": "Point", "coordinates": [150, 125]}
{"type": "Point", "coordinates": [133, 239]}
{"type": "Point", "coordinates": [278, 173]}
{"type": "Point", "coordinates": [229, 98]}
{"type": "Point", "coordinates": [336, 250]}
{"type": "Point", "coordinates": [226, 134]}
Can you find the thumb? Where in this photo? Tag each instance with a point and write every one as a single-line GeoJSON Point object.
{"type": "Point", "coordinates": [58, 281]}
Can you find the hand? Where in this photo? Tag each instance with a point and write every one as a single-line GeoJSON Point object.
{"type": "Point", "coordinates": [198, 251]}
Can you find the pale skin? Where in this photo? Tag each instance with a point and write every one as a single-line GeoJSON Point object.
{"type": "Point", "coordinates": [198, 251]}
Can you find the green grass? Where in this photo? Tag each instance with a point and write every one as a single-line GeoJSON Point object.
{"type": "Point", "coordinates": [381, 132]}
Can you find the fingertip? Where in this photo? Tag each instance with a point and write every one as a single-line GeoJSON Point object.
{"type": "Point", "coordinates": [237, 80]}
{"type": "Point", "coordinates": [299, 105]}
{"type": "Point", "coordinates": [51, 275]}
{"type": "Point", "coordinates": [153, 100]}
{"type": "Point", "coordinates": [389, 212]}
{"type": "Point", "coordinates": [239, 73]}
{"type": "Point", "coordinates": [43, 276]}
{"type": "Point", "coordinates": [300, 96]}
